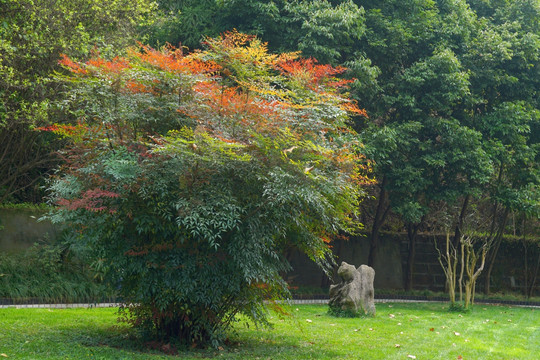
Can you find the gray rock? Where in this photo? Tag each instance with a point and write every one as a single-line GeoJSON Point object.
{"type": "Point", "coordinates": [355, 294]}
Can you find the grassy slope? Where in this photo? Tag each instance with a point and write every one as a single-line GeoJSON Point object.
{"type": "Point", "coordinates": [426, 331]}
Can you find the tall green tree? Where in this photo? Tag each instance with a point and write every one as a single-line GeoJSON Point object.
{"type": "Point", "coordinates": [325, 30]}
{"type": "Point", "coordinates": [33, 34]}
{"type": "Point", "coordinates": [495, 59]}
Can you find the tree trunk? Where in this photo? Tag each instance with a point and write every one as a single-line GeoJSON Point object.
{"type": "Point", "coordinates": [380, 217]}
{"type": "Point", "coordinates": [535, 276]}
{"type": "Point", "coordinates": [496, 244]}
{"type": "Point", "coordinates": [412, 231]}
{"type": "Point", "coordinates": [459, 225]}
{"type": "Point", "coordinates": [525, 259]}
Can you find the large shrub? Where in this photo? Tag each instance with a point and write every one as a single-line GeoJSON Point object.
{"type": "Point", "coordinates": [188, 177]}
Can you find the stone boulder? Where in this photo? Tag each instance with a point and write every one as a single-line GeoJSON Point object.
{"type": "Point", "coordinates": [355, 294]}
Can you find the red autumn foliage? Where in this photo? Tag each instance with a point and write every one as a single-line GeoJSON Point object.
{"type": "Point", "coordinates": [91, 200]}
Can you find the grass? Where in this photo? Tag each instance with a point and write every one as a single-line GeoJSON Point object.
{"type": "Point", "coordinates": [423, 330]}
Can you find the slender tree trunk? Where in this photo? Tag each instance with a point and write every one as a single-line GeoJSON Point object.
{"type": "Point", "coordinates": [459, 225]}
{"type": "Point", "coordinates": [535, 276]}
{"type": "Point", "coordinates": [525, 258]}
{"type": "Point", "coordinates": [460, 282]}
{"type": "Point", "coordinates": [412, 231]}
{"type": "Point", "coordinates": [496, 245]}
{"type": "Point", "coordinates": [380, 217]}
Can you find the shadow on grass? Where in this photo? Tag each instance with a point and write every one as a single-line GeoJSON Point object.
{"type": "Point", "coordinates": [119, 342]}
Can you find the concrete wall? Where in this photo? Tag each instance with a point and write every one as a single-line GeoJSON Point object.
{"type": "Point", "coordinates": [391, 262]}
{"type": "Point", "coordinates": [388, 263]}
{"type": "Point", "coordinates": [20, 228]}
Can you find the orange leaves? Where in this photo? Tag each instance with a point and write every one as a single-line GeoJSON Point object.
{"type": "Point", "coordinates": [136, 87]}
{"type": "Point", "coordinates": [115, 65]}
{"type": "Point", "coordinates": [172, 60]}
{"type": "Point", "coordinates": [232, 104]}
{"type": "Point", "coordinates": [238, 92]}
{"type": "Point", "coordinates": [168, 59]}
{"type": "Point", "coordinates": [71, 65]}
{"type": "Point", "coordinates": [76, 132]}
{"type": "Point", "coordinates": [309, 72]}
{"type": "Point", "coordinates": [231, 38]}
{"type": "Point", "coordinates": [353, 108]}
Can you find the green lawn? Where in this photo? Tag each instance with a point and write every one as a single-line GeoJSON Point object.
{"type": "Point", "coordinates": [399, 331]}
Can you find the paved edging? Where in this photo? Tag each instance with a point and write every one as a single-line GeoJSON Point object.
{"type": "Point", "coordinates": [294, 302]}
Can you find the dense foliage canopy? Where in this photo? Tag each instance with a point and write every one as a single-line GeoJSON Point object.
{"type": "Point", "coordinates": [33, 33]}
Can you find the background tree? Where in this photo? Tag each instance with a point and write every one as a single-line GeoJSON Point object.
{"type": "Point", "coordinates": [32, 36]}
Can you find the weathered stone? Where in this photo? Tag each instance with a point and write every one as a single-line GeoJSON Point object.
{"type": "Point", "coordinates": [355, 294]}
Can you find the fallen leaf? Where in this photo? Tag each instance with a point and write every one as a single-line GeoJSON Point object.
{"type": "Point", "coordinates": [432, 329]}
{"type": "Point", "coordinates": [411, 356]}
{"type": "Point", "coordinates": [4, 355]}
{"type": "Point", "coordinates": [392, 316]}
{"type": "Point", "coordinates": [290, 149]}
{"type": "Point", "coordinates": [220, 348]}
{"type": "Point", "coordinates": [308, 320]}
{"type": "Point", "coordinates": [460, 357]}
{"type": "Point", "coordinates": [397, 345]}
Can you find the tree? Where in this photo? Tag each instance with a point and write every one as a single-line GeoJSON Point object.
{"type": "Point", "coordinates": [422, 152]}
{"type": "Point", "coordinates": [188, 176]}
{"type": "Point", "coordinates": [32, 36]}
{"type": "Point", "coordinates": [321, 29]}
{"type": "Point", "coordinates": [478, 67]}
